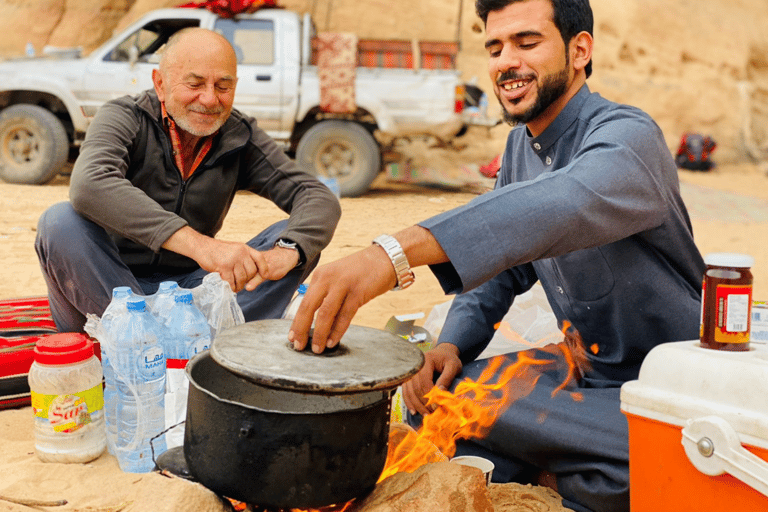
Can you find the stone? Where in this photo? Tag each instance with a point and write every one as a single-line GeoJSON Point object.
{"type": "Point", "coordinates": [442, 486]}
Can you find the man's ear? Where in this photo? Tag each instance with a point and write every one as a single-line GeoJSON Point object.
{"type": "Point", "coordinates": [157, 80]}
{"type": "Point", "coordinates": [581, 50]}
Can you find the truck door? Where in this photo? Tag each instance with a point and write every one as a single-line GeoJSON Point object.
{"type": "Point", "coordinates": [260, 84]}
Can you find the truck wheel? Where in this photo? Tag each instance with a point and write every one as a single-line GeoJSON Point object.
{"type": "Point", "coordinates": [33, 145]}
{"type": "Point", "coordinates": [343, 150]}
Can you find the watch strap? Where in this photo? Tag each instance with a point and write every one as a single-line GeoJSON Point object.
{"type": "Point", "coordinates": [391, 246]}
{"type": "Point", "coordinates": [290, 244]}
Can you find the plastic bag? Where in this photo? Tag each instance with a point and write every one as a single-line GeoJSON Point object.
{"type": "Point", "coordinates": [529, 323]}
{"type": "Point", "coordinates": [218, 303]}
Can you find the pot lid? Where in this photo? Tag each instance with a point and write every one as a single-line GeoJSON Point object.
{"type": "Point", "coordinates": [366, 359]}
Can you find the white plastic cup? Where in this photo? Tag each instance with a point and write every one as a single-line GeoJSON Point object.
{"type": "Point", "coordinates": [480, 463]}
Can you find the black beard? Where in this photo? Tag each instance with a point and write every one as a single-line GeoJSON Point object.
{"type": "Point", "coordinates": [552, 88]}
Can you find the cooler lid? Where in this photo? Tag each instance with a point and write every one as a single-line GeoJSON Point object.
{"type": "Point", "coordinates": [682, 380]}
{"type": "Point", "coordinates": [366, 359]}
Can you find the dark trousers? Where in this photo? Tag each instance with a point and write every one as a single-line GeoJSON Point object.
{"type": "Point", "coordinates": [81, 266]}
{"type": "Point", "coordinates": [579, 434]}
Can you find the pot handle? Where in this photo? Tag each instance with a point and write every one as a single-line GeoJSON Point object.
{"type": "Point", "coordinates": [713, 447]}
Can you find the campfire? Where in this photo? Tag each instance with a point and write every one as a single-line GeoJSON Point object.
{"type": "Point", "coordinates": [471, 409]}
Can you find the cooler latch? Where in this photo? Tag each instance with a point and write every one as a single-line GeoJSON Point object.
{"type": "Point", "coordinates": [714, 448]}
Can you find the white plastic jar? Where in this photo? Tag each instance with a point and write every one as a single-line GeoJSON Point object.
{"type": "Point", "coordinates": [65, 381]}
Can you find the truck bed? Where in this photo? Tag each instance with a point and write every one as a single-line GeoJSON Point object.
{"type": "Point", "coordinates": [396, 53]}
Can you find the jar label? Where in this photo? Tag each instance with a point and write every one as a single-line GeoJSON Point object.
{"type": "Point", "coordinates": [732, 311]}
{"type": "Point", "coordinates": [68, 413]}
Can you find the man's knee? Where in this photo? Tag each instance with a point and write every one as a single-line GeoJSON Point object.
{"type": "Point", "coordinates": [62, 232]}
{"type": "Point", "coordinates": [54, 227]}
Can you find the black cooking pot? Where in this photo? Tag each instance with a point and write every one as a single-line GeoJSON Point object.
{"type": "Point", "coordinates": [277, 428]}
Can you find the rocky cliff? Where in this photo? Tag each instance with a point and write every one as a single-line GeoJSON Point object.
{"type": "Point", "coordinates": [693, 65]}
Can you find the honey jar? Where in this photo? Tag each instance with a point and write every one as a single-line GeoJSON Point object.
{"type": "Point", "coordinates": [726, 302]}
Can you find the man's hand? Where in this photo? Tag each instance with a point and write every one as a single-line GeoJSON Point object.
{"type": "Point", "coordinates": [443, 359]}
{"type": "Point", "coordinates": [338, 289]}
{"type": "Point", "coordinates": [238, 264]}
{"type": "Point", "coordinates": [277, 262]}
{"type": "Point", "coordinates": [336, 292]}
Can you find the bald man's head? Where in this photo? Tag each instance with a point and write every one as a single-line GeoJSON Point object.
{"type": "Point", "coordinates": [196, 80]}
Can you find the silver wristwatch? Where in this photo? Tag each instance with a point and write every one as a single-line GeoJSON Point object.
{"type": "Point", "coordinates": [290, 244]}
{"type": "Point", "coordinates": [396, 255]}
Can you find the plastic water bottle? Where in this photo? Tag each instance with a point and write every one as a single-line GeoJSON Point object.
{"type": "Point", "coordinates": [116, 308]}
{"type": "Point", "coordinates": [187, 328]}
{"type": "Point", "coordinates": [483, 105]}
{"type": "Point", "coordinates": [293, 306]}
{"type": "Point", "coordinates": [139, 364]}
{"type": "Point", "coordinates": [162, 301]}
{"type": "Point", "coordinates": [187, 334]}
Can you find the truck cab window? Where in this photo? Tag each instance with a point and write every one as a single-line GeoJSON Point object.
{"type": "Point", "coordinates": [148, 40]}
{"type": "Point", "coordinates": [253, 40]}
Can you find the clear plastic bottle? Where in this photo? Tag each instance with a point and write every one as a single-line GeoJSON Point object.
{"type": "Point", "coordinates": [139, 363]}
{"type": "Point", "coordinates": [188, 333]}
{"type": "Point", "coordinates": [163, 300]}
{"type": "Point", "coordinates": [293, 306]}
{"type": "Point", "coordinates": [188, 329]}
{"type": "Point", "coordinates": [67, 399]}
{"type": "Point", "coordinates": [115, 309]}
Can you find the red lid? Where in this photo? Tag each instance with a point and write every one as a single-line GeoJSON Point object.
{"type": "Point", "coordinates": [63, 348]}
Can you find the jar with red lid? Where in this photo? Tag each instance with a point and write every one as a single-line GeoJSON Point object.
{"type": "Point", "coordinates": [726, 302]}
{"type": "Point", "coordinates": [65, 381]}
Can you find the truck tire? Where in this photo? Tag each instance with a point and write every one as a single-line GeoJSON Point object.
{"type": "Point", "coordinates": [343, 150]}
{"type": "Point", "coordinates": [33, 145]}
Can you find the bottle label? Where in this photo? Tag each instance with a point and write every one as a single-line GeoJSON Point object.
{"type": "Point", "coordinates": [151, 363]}
{"type": "Point", "coordinates": [68, 413]}
{"type": "Point", "coordinates": [732, 310]}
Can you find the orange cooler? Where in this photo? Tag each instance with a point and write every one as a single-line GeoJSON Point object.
{"type": "Point", "coordinates": [698, 430]}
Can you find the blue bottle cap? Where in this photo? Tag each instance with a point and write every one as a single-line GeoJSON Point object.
{"type": "Point", "coordinates": [167, 285]}
{"type": "Point", "coordinates": [136, 304]}
{"type": "Point", "coordinates": [185, 297]}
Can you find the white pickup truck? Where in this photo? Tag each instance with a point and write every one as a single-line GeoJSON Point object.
{"type": "Point", "coordinates": [46, 103]}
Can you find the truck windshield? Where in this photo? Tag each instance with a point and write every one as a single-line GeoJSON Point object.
{"type": "Point", "coordinates": [148, 40]}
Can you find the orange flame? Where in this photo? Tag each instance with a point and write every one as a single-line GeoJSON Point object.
{"type": "Point", "coordinates": [472, 409]}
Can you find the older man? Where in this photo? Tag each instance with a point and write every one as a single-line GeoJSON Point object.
{"type": "Point", "coordinates": [156, 176]}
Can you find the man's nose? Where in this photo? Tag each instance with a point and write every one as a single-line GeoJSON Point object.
{"type": "Point", "coordinates": [508, 59]}
{"type": "Point", "coordinates": [208, 95]}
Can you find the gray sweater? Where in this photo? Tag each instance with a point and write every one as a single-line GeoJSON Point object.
{"type": "Point", "coordinates": [126, 180]}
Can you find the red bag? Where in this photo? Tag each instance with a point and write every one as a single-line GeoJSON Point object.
{"type": "Point", "coordinates": [22, 323]}
{"type": "Point", "coordinates": [231, 8]}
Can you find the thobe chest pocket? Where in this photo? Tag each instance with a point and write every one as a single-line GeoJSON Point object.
{"type": "Point", "coordinates": [584, 275]}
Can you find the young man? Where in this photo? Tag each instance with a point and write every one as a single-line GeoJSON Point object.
{"type": "Point", "coordinates": [587, 203]}
{"type": "Point", "coordinates": [154, 180]}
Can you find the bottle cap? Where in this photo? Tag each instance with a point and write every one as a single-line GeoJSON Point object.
{"type": "Point", "coordinates": [63, 348]}
{"type": "Point", "coordinates": [136, 304]}
{"type": "Point", "coordinates": [121, 291]}
{"type": "Point", "coordinates": [302, 289]}
{"type": "Point", "coordinates": [167, 285]}
{"type": "Point", "coordinates": [185, 297]}
{"type": "Point", "coordinates": [729, 259]}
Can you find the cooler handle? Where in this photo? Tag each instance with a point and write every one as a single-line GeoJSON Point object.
{"type": "Point", "coordinates": [714, 448]}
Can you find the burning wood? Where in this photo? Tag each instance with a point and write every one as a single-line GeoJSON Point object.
{"type": "Point", "coordinates": [472, 408]}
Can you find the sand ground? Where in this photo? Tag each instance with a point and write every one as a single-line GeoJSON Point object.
{"type": "Point", "coordinates": [729, 211]}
